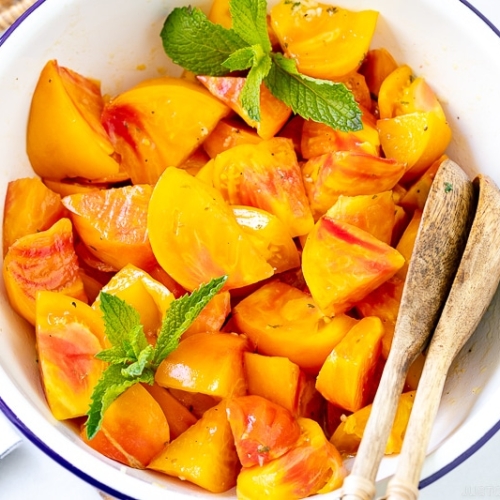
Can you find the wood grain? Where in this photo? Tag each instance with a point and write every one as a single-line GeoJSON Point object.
{"type": "Point", "coordinates": [475, 283]}
{"type": "Point", "coordinates": [438, 248]}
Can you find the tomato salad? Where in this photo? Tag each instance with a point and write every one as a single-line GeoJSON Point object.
{"type": "Point", "coordinates": [213, 263]}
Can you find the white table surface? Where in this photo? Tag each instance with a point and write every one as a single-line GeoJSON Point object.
{"type": "Point", "coordinates": [27, 473]}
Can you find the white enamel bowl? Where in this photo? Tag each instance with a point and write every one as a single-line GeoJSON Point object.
{"type": "Point", "coordinates": [444, 41]}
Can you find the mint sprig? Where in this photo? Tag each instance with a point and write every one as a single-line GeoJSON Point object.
{"type": "Point", "coordinates": [197, 44]}
{"type": "Point", "coordinates": [191, 40]}
{"type": "Point", "coordinates": [131, 358]}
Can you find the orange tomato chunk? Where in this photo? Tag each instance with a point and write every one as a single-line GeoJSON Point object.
{"type": "Point", "coordinates": [29, 207]}
{"type": "Point", "coordinates": [348, 377]}
{"type": "Point", "coordinates": [159, 123]}
{"type": "Point", "coordinates": [281, 320]}
{"type": "Point", "coordinates": [65, 137]}
{"type": "Point", "coordinates": [204, 454]}
{"type": "Point", "coordinates": [209, 363]}
{"type": "Point", "coordinates": [350, 432]}
{"type": "Point", "coordinates": [134, 429]}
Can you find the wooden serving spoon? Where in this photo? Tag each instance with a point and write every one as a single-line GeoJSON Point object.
{"type": "Point", "coordinates": [438, 247]}
{"type": "Point", "coordinates": [475, 283]}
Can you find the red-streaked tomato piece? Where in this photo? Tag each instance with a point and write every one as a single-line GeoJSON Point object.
{"type": "Point", "coordinates": [281, 320]}
{"type": "Point", "coordinates": [347, 173]}
{"type": "Point", "coordinates": [29, 207]}
{"type": "Point", "coordinates": [42, 261]}
{"type": "Point", "coordinates": [112, 224]}
{"type": "Point", "coordinates": [137, 121]}
{"type": "Point", "coordinates": [319, 139]}
{"type": "Point", "coordinates": [312, 466]}
{"type": "Point", "coordinates": [342, 264]}
{"type": "Point", "coordinates": [262, 430]}
{"type": "Point", "coordinates": [69, 334]}
{"type": "Point", "coordinates": [267, 176]}
{"type": "Point", "coordinates": [134, 429]}
{"type": "Point", "coordinates": [273, 112]}
{"type": "Point", "coordinates": [373, 213]}
{"type": "Point", "coordinates": [195, 236]}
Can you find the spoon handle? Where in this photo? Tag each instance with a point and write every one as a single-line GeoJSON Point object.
{"type": "Point", "coordinates": [438, 246]}
{"type": "Point", "coordinates": [475, 283]}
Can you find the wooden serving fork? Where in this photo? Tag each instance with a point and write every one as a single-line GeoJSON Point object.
{"type": "Point", "coordinates": [475, 283]}
{"type": "Point", "coordinates": [438, 247]}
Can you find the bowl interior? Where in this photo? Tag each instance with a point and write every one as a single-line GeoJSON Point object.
{"type": "Point", "coordinates": [118, 42]}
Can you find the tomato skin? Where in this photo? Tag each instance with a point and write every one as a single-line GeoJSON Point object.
{"type": "Point", "coordinates": [42, 261]}
{"type": "Point", "coordinates": [312, 466]}
{"type": "Point", "coordinates": [262, 429]}
{"type": "Point", "coordinates": [195, 236]}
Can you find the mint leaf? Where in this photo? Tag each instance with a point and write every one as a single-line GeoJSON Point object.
{"type": "Point", "coordinates": [319, 100]}
{"type": "Point", "coordinates": [137, 368]}
{"type": "Point", "coordinates": [119, 317]}
{"type": "Point", "coordinates": [250, 93]}
{"type": "Point", "coordinates": [250, 22]}
{"type": "Point", "coordinates": [181, 314]}
{"type": "Point", "coordinates": [114, 355]}
{"type": "Point", "coordinates": [240, 60]}
{"type": "Point", "coordinates": [197, 44]}
{"type": "Point", "coordinates": [109, 387]}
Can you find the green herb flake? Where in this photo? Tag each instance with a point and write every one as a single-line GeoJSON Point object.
{"type": "Point", "coordinates": [448, 187]}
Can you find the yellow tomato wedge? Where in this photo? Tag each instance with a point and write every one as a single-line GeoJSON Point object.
{"type": "Point", "coordinates": [195, 236]}
{"type": "Point", "coordinates": [326, 41]}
